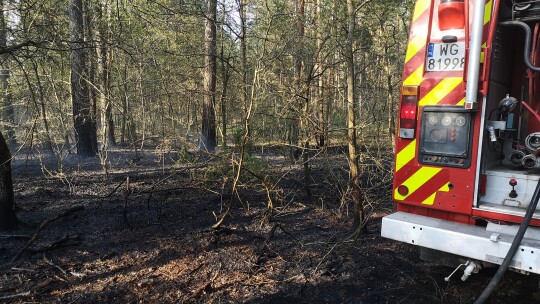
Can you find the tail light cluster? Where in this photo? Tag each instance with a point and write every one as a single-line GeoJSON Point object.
{"type": "Point", "coordinates": [408, 111]}
{"type": "Point", "coordinates": [451, 14]}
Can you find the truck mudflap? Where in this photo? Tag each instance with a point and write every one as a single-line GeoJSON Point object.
{"type": "Point", "coordinates": [489, 244]}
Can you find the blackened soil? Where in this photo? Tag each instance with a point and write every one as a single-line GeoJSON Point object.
{"type": "Point", "coordinates": [153, 242]}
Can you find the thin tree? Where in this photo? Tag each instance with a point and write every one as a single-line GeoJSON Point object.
{"type": "Point", "coordinates": [103, 58]}
{"type": "Point", "coordinates": [208, 130]}
{"type": "Point", "coordinates": [320, 73]}
{"type": "Point", "coordinates": [84, 123]}
{"type": "Point", "coordinates": [225, 75]}
{"type": "Point", "coordinates": [351, 118]}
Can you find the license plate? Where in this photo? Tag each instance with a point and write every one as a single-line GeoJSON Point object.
{"type": "Point", "coordinates": [445, 56]}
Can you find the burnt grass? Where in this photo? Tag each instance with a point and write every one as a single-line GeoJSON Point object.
{"type": "Point", "coordinates": [87, 238]}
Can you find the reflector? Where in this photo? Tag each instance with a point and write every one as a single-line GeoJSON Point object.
{"type": "Point", "coordinates": [403, 190]}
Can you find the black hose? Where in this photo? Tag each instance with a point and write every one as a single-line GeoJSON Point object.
{"type": "Point", "coordinates": [528, 38]}
{"type": "Point", "coordinates": [513, 248]}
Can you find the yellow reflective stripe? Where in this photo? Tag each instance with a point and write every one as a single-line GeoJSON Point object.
{"type": "Point", "coordinates": [415, 44]}
{"type": "Point", "coordinates": [405, 155]}
{"type": "Point", "coordinates": [461, 102]}
{"type": "Point", "coordinates": [418, 37]}
{"type": "Point", "coordinates": [482, 54]}
{"type": "Point", "coordinates": [440, 91]}
{"type": "Point", "coordinates": [487, 12]}
{"type": "Point", "coordinates": [416, 77]}
{"type": "Point", "coordinates": [421, 6]}
{"type": "Point", "coordinates": [417, 180]}
{"type": "Point", "coordinates": [431, 199]}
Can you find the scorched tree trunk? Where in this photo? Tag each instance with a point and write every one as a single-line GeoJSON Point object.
{"type": "Point", "coordinates": [84, 123]}
{"type": "Point", "coordinates": [8, 220]}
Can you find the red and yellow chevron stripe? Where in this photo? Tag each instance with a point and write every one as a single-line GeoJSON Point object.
{"type": "Point", "coordinates": [427, 183]}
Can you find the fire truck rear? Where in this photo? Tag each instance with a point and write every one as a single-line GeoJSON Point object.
{"type": "Point", "coordinates": [466, 176]}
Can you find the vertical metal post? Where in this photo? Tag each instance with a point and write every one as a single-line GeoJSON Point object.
{"type": "Point", "coordinates": [475, 48]}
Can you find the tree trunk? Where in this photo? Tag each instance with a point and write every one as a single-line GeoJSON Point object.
{"type": "Point", "coordinates": [8, 220]}
{"type": "Point", "coordinates": [124, 92]}
{"type": "Point", "coordinates": [8, 113]}
{"type": "Point", "coordinates": [223, 105]}
{"type": "Point", "coordinates": [225, 75]}
{"type": "Point", "coordinates": [103, 52]}
{"type": "Point", "coordinates": [299, 97]}
{"type": "Point", "coordinates": [84, 123]}
{"type": "Point", "coordinates": [351, 120]}
{"type": "Point", "coordinates": [320, 74]}
{"type": "Point", "coordinates": [208, 132]}
{"type": "Point", "coordinates": [42, 109]}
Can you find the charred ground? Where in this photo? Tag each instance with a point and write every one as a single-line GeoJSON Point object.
{"type": "Point", "coordinates": [89, 238]}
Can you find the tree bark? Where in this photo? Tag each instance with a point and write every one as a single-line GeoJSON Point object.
{"type": "Point", "coordinates": [320, 73]}
{"type": "Point", "coordinates": [84, 123]}
{"type": "Point", "coordinates": [8, 220]}
{"type": "Point", "coordinates": [105, 37]}
{"type": "Point", "coordinates": [208, 132]}
{"type": "Point", "coordinates": [42, 109]}
{"type": "Point", "coordinates": [351, 119]}
{"type": "Point", "coordinates": [225, 75]}
{"type": "Point", "coordinates": [8, 113]}
{"type": "Point", "coordinates": [299, 97]}
{"type": "Point", "coordinates": [124, 91]}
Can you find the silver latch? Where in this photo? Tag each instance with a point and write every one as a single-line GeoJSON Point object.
{"type": "Point", "coordinates": [495, 237]}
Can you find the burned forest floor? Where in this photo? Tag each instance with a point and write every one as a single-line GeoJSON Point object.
{"type": "Point", "coordinates": [147, 232]}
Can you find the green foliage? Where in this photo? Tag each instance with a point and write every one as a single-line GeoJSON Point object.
{"type": "Point", "coordinates": [184, 156]}
{"type": "Point", "coordinates": [256, 165]}
{"type": "Point", "coordinates": [237, 136]}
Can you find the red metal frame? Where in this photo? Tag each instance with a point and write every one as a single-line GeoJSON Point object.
{"type": "Point", "coordinates": [455, 204]}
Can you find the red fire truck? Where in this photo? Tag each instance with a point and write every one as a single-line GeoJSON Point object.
{"type": "Point", "coordinates": [466, 175]}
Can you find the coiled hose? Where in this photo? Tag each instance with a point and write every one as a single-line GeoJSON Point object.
{"type": "Point", "coordinates": [513, 248]}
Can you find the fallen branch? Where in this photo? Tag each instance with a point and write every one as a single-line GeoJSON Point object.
{"type": "Point", "coordinates": [199, 290]}
{"type": "Point", "coordinates": [205, 286]}
{"type": "Point", "coordinates": [42, 225]}
{"type": "Point", "coordinates": [14, 296]}
{"type": "Point", "coordinates": [273, 231]}
{"type": "Point", "coordinates": [220, 221]}
{"type": "Point", "coordinates": [65, 241]}
{"type": "Point", "coordinates": [113, 191]}
{"type": "Point", "coordinates": [22, 269]}
{"type": "Point", "coordinates": [195, 269]}
{"type": "Point", "coordinates": [56, 266]}
{"type": "Point", "coordinates": [15, 236]}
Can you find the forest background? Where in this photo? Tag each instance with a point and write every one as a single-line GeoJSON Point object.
{"type": "Point", "coordinates": [86, 77]}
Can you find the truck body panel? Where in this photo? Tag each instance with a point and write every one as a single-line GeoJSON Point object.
{"type": "Point", "coordinates": [461, 166]}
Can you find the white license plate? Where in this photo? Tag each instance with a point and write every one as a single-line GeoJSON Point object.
{"type": "Point", "coordinates": [445, 56]}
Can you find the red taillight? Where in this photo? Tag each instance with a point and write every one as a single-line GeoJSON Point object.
{"type": "Point", "coordinates": [407, 112]}
{"type": "Point", "coordinates": [451, 14]}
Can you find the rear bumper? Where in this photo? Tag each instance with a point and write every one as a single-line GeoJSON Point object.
{"type": "Point", "coordinates": [489, 244]}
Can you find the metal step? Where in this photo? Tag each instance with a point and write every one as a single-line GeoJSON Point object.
{"type": "Point", "coordinates": [469, 241]}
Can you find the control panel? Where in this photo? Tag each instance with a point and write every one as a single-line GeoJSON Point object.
{"type": "Point", "coordinates": [445, 137]}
